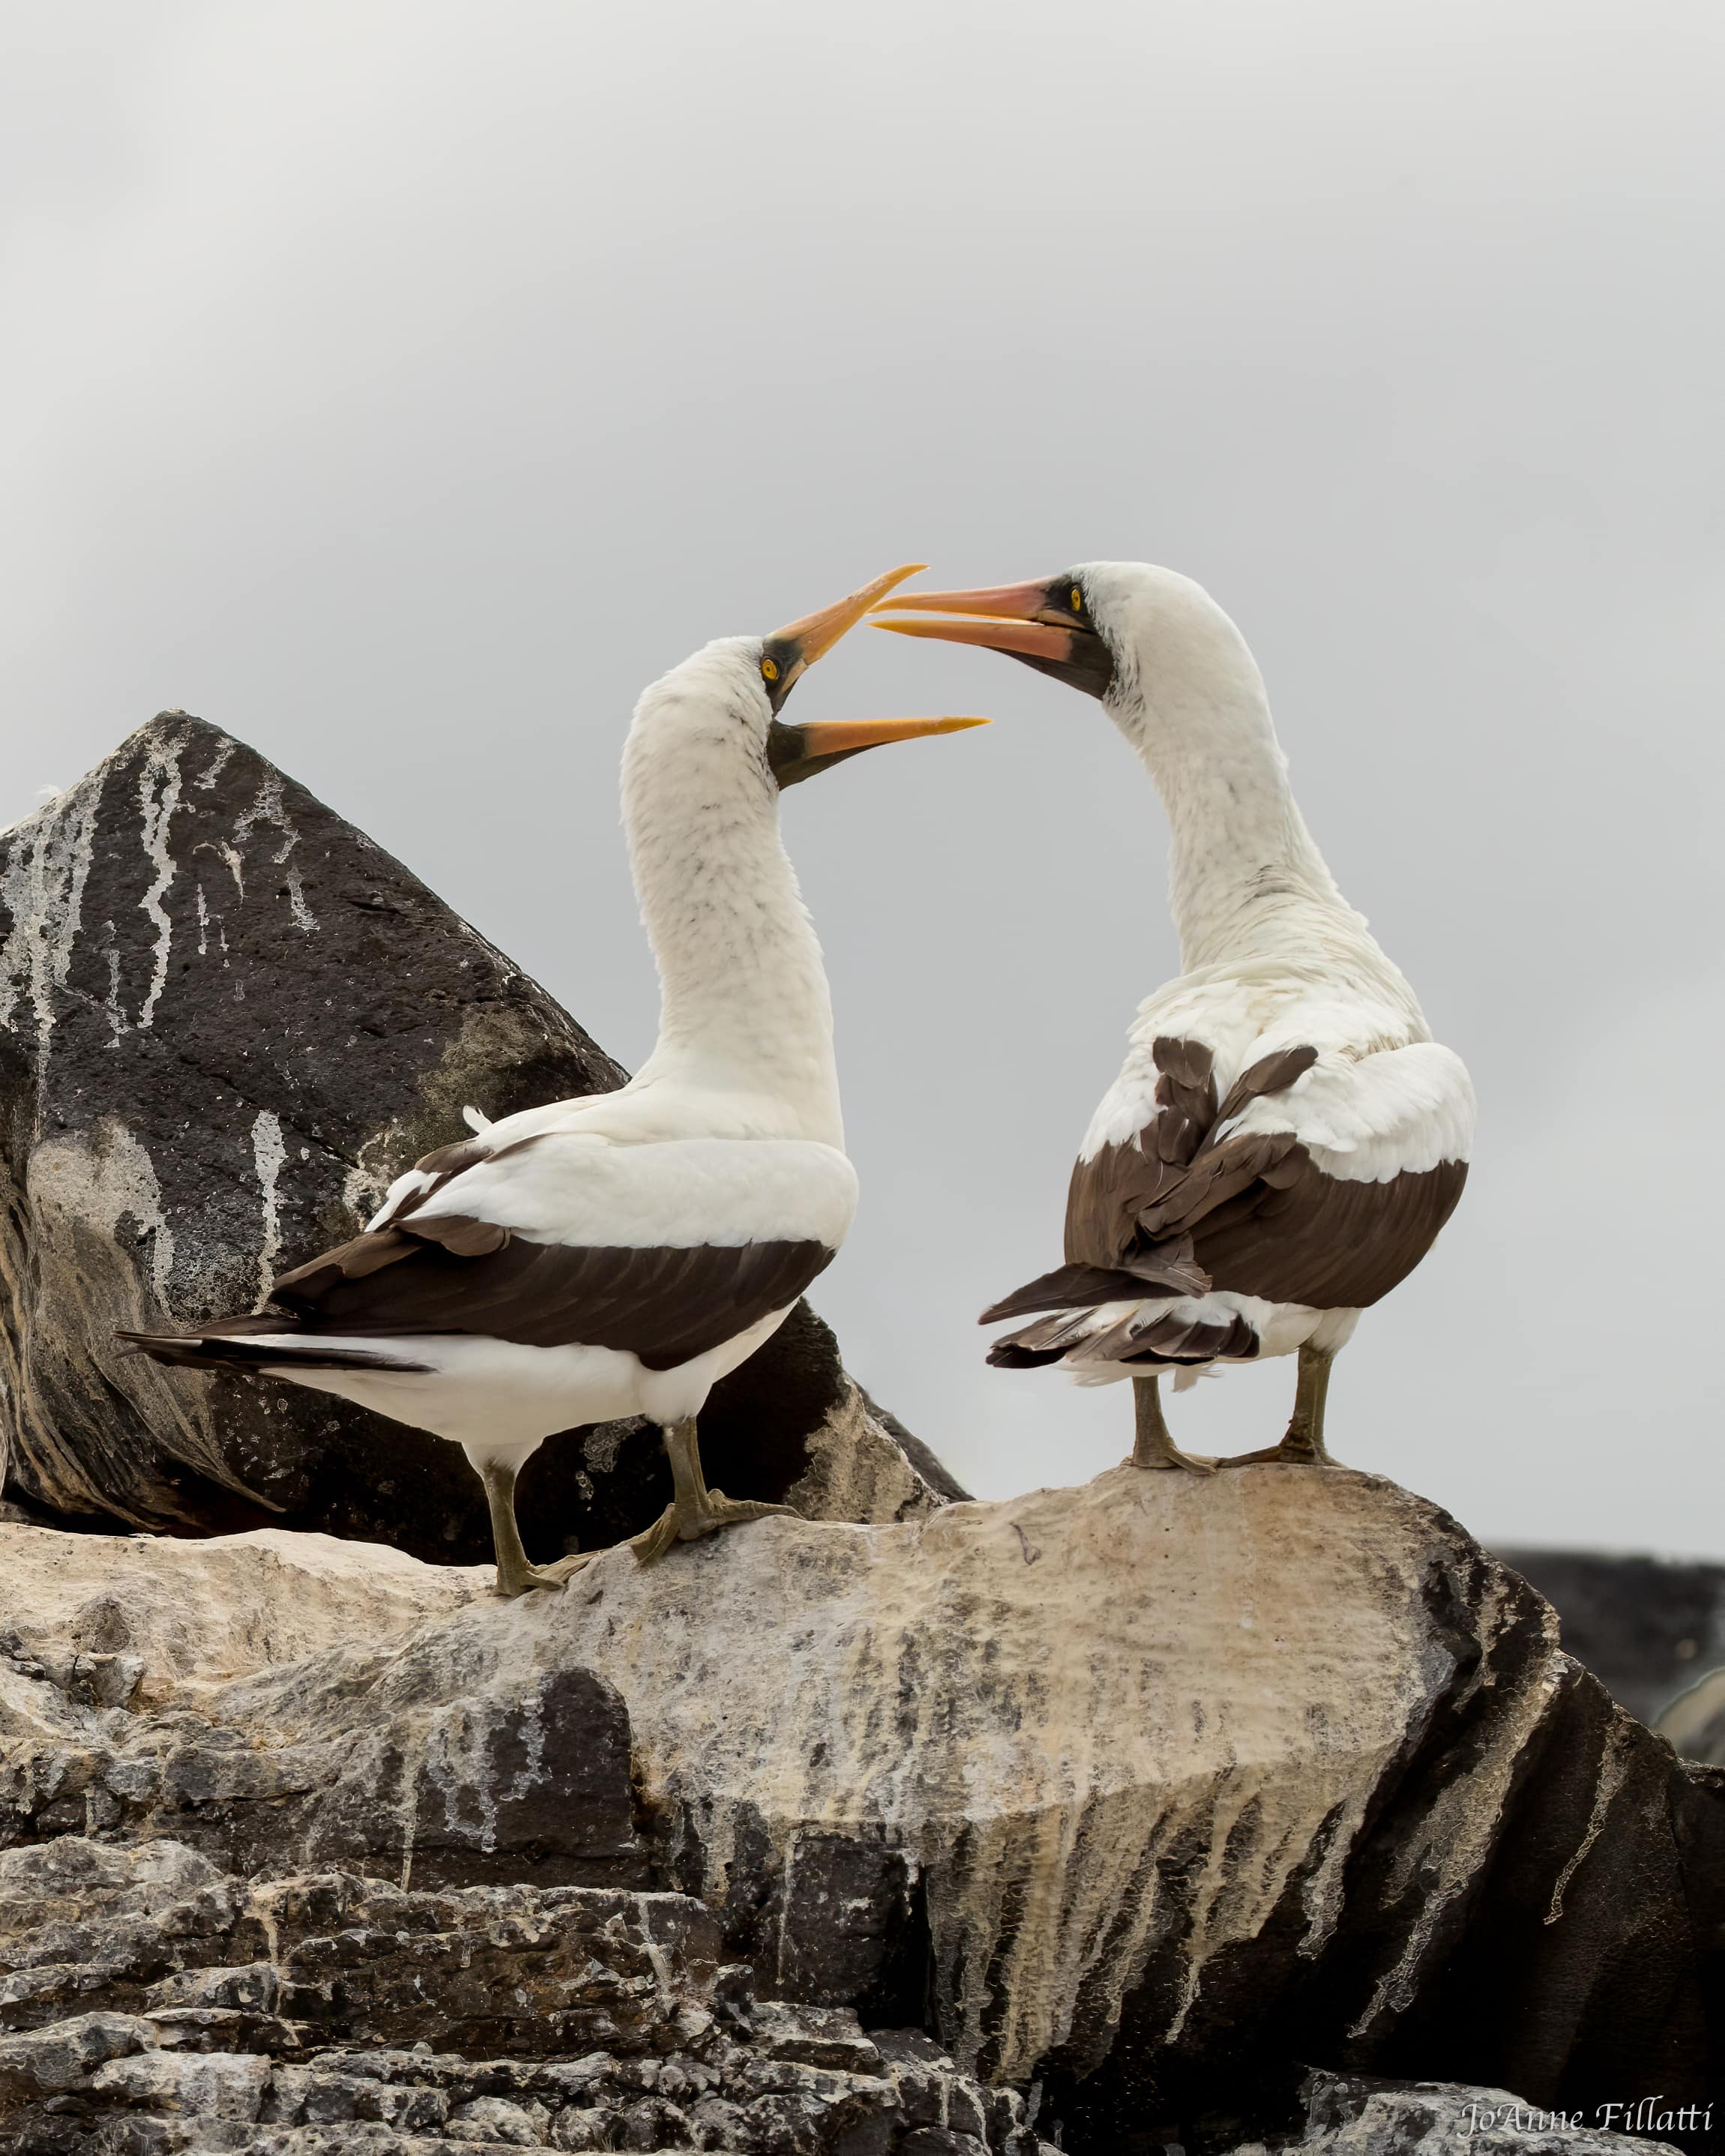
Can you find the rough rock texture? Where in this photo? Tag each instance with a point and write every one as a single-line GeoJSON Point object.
{"type": "Point", "coordinates": [1647, 1627]}
{"type": "Point", "coordinates": [227, 1020]}
{"type": "Point", "coordinates": [1351, 2115]}
{"type": "Point", "coordinates": [1148, 1795]}
{"type": "Point", "coordinates": [152, 2003]}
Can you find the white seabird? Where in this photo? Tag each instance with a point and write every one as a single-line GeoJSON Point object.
{"type": "Point", "coordinates": [617, 1254]}
{"type": "Point", "coordinates": [1285, 1139]}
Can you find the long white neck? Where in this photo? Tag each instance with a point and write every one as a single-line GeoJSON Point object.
{"type": "Point", "coordinates": [745, 1015]}
{"type": "Point", "coordinates": [1246, 881]}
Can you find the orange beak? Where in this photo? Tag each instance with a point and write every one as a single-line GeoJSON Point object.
{"type": "Point", "coordinates": [844, 736]}
{"type": "Point", "coordinates": [816, 634]}
{"type": "Point", "coordinates": [1026, 621]}
{"type": "Point", "coordinates": [797, 753]}
{"type": "Point", "coordinates": [1015, 618]}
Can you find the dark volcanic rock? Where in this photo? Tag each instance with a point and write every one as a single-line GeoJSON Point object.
{"type": "Point", "coordinates": [1647, 1627]}
{"type": "Point", "coordinates": [161, 2005]}
{"type": "Point", "coordinates": [1154, 1793]}
{"type": "Point", "coordinates": [227, 1020]}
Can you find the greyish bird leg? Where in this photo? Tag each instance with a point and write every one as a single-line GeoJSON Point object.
{"type": "Point", "coordinates": [1152, 1444]}
{"type": "Point", "coordinates": [515, 1574]}
{"type": "Point", "coordinates": [694, 1509]}
{"type": "Point", "coordinates": [1303, 1444]}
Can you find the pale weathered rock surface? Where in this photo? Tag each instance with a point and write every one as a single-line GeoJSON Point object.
{"type": "Point", "coordinates": [1151, 1794]}
{"type": "Point", "coordinates": [182, 1615]}
{"type": "Point", "coordinates": [226, 1019]}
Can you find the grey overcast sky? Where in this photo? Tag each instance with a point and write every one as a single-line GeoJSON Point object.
{"type": "Point", "coordinates": [403, 385]}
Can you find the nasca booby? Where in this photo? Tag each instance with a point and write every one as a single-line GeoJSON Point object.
{"type": "Point", "coordinates": [1285, 1139]}
{"type": "Point", "coordinates": [617, 1254]}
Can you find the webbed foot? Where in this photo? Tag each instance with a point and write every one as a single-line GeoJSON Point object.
{"type": "Point", "coordinates": [1194, 1463]}
{"type": "Point", "coordinates": [688, 1520]}
{"type": "Point", "coordinates": [1291, 1452]}
{"type": "Point", "coordinates": [517, 1579]}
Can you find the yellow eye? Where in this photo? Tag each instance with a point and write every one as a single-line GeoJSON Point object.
{"type": "Point", "coordinates": [1077, 600]}
{"type": "Point", "coordinates": [769, 669]}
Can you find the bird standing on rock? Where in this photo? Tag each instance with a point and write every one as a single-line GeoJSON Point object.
{"type": "Point", "coordinates": [1285, 1139]}
{"type": "Point", "coordinates": [618, 1254]}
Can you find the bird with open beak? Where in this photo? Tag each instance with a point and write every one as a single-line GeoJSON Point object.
{"type": "Point", "coordinates": [1285, 1139]}
{"type": "Point", "coordinates": [617, 1254]}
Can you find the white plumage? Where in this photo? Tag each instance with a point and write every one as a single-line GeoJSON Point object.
{"type": "Point", "coordinates": [1259, 1224]}
{"type": "Point", "coordinates": [614, 1256]}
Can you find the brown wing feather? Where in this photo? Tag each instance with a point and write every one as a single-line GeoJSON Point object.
{"type": "Point", "coordinates": [1303, 1236]}
{"type": "Point", "coordinates": [664, 1304]}
{"type": "Point", "coordinates": [1252, 1210]}
{"type": "Point", "coordinates": [1187, 1204]}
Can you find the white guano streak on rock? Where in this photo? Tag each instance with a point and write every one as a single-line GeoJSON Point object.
{"type": "Point", "coordinates": [218, 764]}
{"type": "Point", "coordinates": [1037, 1757]}
{"type": "Point", "coordinates": [116, 1013]}
{"type": "Point", "coordinates": [230, 859]}
{"type": "Point", "coordinates": [158, 797]}
{"type": "Point", "coordinates": [1613, 1772]}
{"type": "Point", "coordinates": [269, 1156]}
{"type": "Point", "coordinates": [363, 1186]}
{"type": "Point", "coordinates": [1439, 1864]}
{"type": "Point", "coordinates": [43, 887]}
{"type": "Point", "coordinates": [269, 808]}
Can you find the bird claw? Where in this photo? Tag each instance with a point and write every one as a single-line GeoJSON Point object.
{"type": "Point", "coordinates": [1194, 1463]}
{"type": "Point", "coordinates": [650, 1546]}
{"type": "Point", "coordinates": [732, 1511]}
{"type": "Point", "coordinates": [1281, 1455]}
{"type": "Point", "coordinates": [522, 1579]}
{"type": "Point", "coordinates": [675, 1525]}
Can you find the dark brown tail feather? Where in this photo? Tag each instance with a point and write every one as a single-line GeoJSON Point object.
{"type": "Point", "coordinates": [1008, 1355]}
{"type": "Point", "coordinates": [1081, 1286]}
{"type": "Point", "coordinates": [225, 1346]}
{"type": "Point", "coordinates": [1141, 1338]}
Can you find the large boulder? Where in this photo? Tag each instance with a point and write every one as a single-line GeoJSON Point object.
{"type": "Point", "coordinates": [227, 1020]}
{"type": "Point", "coordinates": [1150, 1795]}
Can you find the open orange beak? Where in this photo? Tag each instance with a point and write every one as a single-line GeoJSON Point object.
{"type": "Point", "coordinates": [816, 634]}
{"type": "Point", "coordinates": [1027, 621]}
{"type": "Point", "coordinates": [797, 753]}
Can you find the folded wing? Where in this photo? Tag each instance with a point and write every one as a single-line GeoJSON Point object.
{"type": "Point", "coordinates": [1325, 1192]}
{"type": "Point", "coordinates": [439, 1258]}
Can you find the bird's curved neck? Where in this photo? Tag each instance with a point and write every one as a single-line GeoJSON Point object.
{"type": "Point", "coordinates": [744, 1016]}
{"type": "Point", "coordinates": [1246, 881]}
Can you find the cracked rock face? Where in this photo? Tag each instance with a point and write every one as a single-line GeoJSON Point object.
{"type": "Point", "coordinates": [1149, 1794]}
{"type": "Point", "coordinates": [160, 2004]}
{"type": "Point", "coordinates": [227, 1020]}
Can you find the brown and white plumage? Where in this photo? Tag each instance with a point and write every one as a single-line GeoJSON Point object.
{"type": "Point", "coordinates": [616, 1255]}
{"type": "Point", "coordinates": [1285, 1139]}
